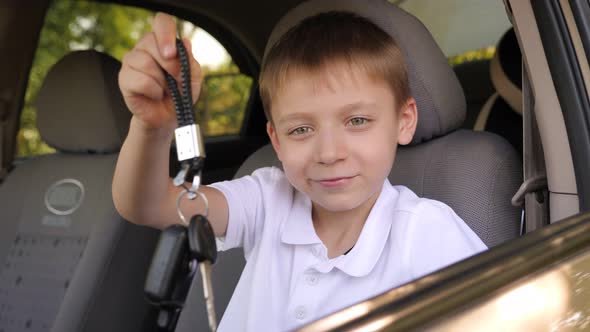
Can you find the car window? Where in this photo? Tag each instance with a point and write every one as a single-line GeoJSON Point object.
{"type": "Point", "coordinates": [114, 29]}
{"type": "Point", "coordinates": [459, 26]}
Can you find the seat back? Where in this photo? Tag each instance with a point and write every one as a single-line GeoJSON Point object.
{"type": "Point", "coordinates": [69, 262]}
{"type": "Point", "coordinates": [475, 80]}
{"type": "Point", "coordinates": [502, 112]}
{"type": "Point", "coordinates": [476, 173]}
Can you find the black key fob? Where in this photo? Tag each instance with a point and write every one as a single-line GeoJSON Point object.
{"type": "Point", "coordinates": [201, 239]}
{"type": "Point", "coordinates": [166, 263]}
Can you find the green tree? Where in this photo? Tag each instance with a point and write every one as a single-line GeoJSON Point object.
{"type": "Point", "coordinates": [223, 100]}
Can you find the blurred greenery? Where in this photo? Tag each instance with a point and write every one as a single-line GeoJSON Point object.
{"type": "Point", "coordinates": [222, 101]}
{"type": "Point", "coordinates": [481, 54]}
{"type": "Point", "coordinates": [114, 29]}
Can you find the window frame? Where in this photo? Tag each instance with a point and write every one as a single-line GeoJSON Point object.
{"type": "Point", "coordinates": [416, 305]}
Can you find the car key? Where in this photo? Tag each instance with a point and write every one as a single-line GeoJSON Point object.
{"type": "Point", "coordinates": [202, 247]}
{"type": "Point", "coordinates": [165, 264]}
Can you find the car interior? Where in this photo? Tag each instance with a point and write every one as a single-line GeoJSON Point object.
{"type": "Point", "coordinates": [71, 263]}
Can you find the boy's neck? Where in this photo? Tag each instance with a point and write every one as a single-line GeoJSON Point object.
{"type": "Point", "coordinates": [339, 231]}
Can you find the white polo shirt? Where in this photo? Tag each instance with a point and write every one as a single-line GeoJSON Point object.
{"type": "Point", "coordinates": [288, 279]}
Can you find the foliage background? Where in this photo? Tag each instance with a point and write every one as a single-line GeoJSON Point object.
{"type": "Point", "coordinates": [114, 29]}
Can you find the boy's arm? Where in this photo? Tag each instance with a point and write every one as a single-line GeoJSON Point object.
{"type": "Point", "coordinates": [142, 191]}
{"type": "Point", "coordinates": [144, 194]}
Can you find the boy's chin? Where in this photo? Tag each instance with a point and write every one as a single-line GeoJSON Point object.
{"type": "Point", "coordinates": [339, 204]}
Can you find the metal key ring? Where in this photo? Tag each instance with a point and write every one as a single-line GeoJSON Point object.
{"type": "Point", "coordinates": [179, 198]}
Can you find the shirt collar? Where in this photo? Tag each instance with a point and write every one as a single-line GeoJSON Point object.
{"type": "Point", "coordinates": [363, 257]}
{"type": "Point", "coordinates": [299, 225]}
{"type": "Point", "coordinates": [299, 230]}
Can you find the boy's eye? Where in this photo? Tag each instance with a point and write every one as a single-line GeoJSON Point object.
{"type": "Point", "coordinates": [300, 131]}
{"type": "Point", "coordinates": [358, 121]}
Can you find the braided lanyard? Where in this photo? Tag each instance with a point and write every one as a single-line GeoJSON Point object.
{"type": "Point", "coordinates": [189, 142]}
{"type": "Point", "coordinates": [191, 155]}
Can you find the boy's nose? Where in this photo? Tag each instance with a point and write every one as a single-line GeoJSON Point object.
{"type": "Point", "coordinates": [330, 147]}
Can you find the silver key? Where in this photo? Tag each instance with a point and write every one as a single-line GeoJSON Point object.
{"type": "Point", "coordinates": [205, 268]}
{"type": "Point", "coordinates": [203, 249]}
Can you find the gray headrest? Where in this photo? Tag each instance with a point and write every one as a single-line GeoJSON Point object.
{"type": "Point", "coordinates": [80, 107]}
{"type": "Point", "coordinates": [440, 99]}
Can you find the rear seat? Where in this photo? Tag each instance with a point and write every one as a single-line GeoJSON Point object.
{"type": "Point", "coordinates": [474, 77]}
{"type": "Point", "coordinates": [502, 114]}
{"type": "Point", "coordinates": [69, 262]}
{"type": "Point", "coordinates": [493, 90]}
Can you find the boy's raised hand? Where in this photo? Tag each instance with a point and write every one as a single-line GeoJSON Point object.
{"type": "Point", "coordinates": [142, 80]}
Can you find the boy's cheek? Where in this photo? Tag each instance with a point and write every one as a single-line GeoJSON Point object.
{"type": "Point", "coordinates": [292, 157]}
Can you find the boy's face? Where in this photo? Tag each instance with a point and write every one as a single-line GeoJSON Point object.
{"type": "Point", "coordinates": [336, 134]}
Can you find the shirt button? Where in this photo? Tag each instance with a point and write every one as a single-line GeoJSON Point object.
{"type": "Point", "coordinates": [312, 279]}
{"type": "Point", "coordinates": [300, 312]}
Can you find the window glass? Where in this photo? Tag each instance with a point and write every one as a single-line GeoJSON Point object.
{"type": "Point", "coordinates": [459, 26]}
{"type": "Point", "coordinates": [114, 29]}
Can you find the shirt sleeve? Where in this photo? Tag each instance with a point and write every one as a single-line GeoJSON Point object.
{"type": "Point", "coordinates": [246, 211]}
{"type": "Point", "coordinates": [441, 238]}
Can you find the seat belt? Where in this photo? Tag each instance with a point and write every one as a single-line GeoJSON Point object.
{"type": "Point", "coordinates": [533, 194]}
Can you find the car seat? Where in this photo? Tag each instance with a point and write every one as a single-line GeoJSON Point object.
{"type": "Point", "coordinates": [476, 173]}
{"type": "Point", "coordinates": [502, 113]}
{"type": "Point", "coordinates": [474, 77]}
{"type": "Point", "coordinates": [69, 261]}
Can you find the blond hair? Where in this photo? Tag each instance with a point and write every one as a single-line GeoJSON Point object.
{"type": "Point", "coordinates": [332, 38]}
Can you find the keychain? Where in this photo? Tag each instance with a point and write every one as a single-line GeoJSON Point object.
{"type": "Point", "coordinates": [191, 154]}
{"type": "Point", "coordinates": [195, 241]}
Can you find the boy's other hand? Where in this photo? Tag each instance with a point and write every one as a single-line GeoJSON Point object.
{"type": "Point", "coordinates": [142, 81]}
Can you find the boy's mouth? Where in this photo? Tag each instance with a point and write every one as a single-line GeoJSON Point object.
{"type": "Point", "coordinates": [335, 182]}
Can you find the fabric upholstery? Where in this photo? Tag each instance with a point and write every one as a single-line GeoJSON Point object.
{"type": "Point", "coordinates": [474, 173]}
{"type": "Point", "coordinates": [68, 261]}
{"type": "Point", "coordinates": [80, 107]}
{"type": "Point", "coordinates": [439, 97]}
{"type": "Point", "coordinates": [83, 274]}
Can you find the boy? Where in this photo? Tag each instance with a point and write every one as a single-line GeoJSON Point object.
{"type": "Point", "coordinates": [328, 230]}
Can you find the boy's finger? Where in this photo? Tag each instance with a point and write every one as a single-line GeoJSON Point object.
{"type": "Point", "coordinates": [135, 83]}
{"type": "Point", "coordinates": [142, 61]}
{"type": "Point", "coordinates": [149, 45]}
{"type": "Point", "coordinates": [165, 30]}
{"type": "Point", "coordinates": [196, 73]}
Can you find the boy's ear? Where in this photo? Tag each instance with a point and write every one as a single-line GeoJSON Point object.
{"type": "Point", "coordinates": [407, 122]}
{"type": "Point", "coordinates": [272, 134]}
